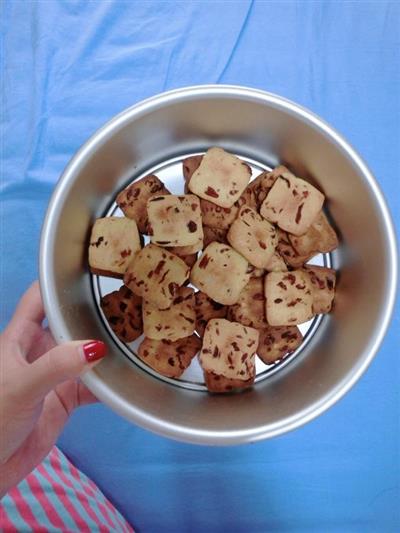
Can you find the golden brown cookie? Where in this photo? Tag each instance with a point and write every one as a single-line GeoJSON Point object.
{"type": "Point", "coordinates": [218, 383]}
{"type": "Point", "coordinates": [156, 275]}
{"type": "Point", "coordinates": [221, 273]}
{"type": "Point", "coordinates": [175, 220]}
{"type": "Point", "coordinates": [288, 253]}
{"type": "Point", "coordinates": [278, 341]}
{"type": "Point", "coordinates": [228, 351]}
{"type": "Point", "coordinates": [113, 243]}
{"type": "Point", "coordinates": [276, 263]}
{"type": "Point", "coordinates": [253, 237]}
{"type": "Point", "coordinates": [189, 165]}
{"type": "Point", "coordinates": [289, 298]}
{"type": "Point", "coordinates": [169, 358]}
{"type": "Point", "coordinates": [319, 238]}
{"type": "Point", "coordinates": [250, 307]}
{"type": "Point", "coordinates": [323, 281]}
{"type": "Point", "coordinates": [133, 199]}
{"type": "Point", "coordinates": [214, 234]}
{"type": "Point", "coordinates": [218, 217]}
{"type": "Point", "coordinates": [220, 178]}
{"type": "Point", "coordinates": [123, 311]}
{"type": "Point", "coordinates": [256, 272]}
{"type": "Point", "coordinates": [174, 323]}
{"type": "Point", "coordinates": [206, 309]}
{"type": "Point", "coordinates": [257, 190]}
{"type": "Point", "coordinates": [292, 203]}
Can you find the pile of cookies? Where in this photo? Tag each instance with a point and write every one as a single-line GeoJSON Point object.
{"type": "Point", "coordinates": [243, 244]}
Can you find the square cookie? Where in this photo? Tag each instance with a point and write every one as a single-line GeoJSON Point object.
{"type": "Point", "coordinates": [289, 298]}
{"type": "Point", "coordinates": [206, 309]}
{"type": "Point", "coordinates": [323, 281]}
{"type": "Point", "coordinates": [113, 243]}
{"type": "Point", "coordinates": [169, 358]}
{"type": "Point", "coordinates": [133, 199]}
{"type": "Point", "coordinates": [257, 190]}
{"type": "Point", "coordinates": [174, 323]}
{"type": "Point", "coordinates": [319, 238]}
{"type": "Point", "coordinates": [254, 237]}
{"type": "Point", "coordinates": [288, 253]}
{"type": "Point", "coordinates": [220, 178]}
{"type": "Point", "coordinates": [156, 275]}
{"type": "Point", "coordinates": [229, 352]}
{"type": "Point", "coordinates": [123, 311]}
{"type": "Point", "coordinates": [278, 341]}
{"type": "Point", "coordinates": [218, 217]}
{"type": "Point", "coordinates": [175, 220]}
{"type": "Point", "coordinates": [189, 165]}
{"type": "Point", "coordinates": [221, 273]}
{"type": "Point", "coordinates": [292, 203]}
{"type": "Point", "coordinates": [250, 308]}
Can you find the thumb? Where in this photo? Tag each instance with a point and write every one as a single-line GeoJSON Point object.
{"type": "Point", "coordinates": [63, 362]}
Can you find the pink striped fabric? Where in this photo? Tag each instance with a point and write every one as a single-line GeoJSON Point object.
{"type": "Point", "coordinates": [42, 499]}
{"type": "Point", "coordinates": [57, 497]}
{"type": "Point", "coordinates": [90, 490]}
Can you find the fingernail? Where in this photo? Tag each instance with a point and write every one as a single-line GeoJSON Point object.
{"type": "Point", "coordinates": [94, 351]}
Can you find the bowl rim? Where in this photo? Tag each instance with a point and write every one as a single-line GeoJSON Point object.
{"type": "Point", "coordinates": [164, 427]}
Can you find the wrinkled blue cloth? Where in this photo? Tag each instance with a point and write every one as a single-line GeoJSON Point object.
{"type": "Point", "coordinates": [67, 67]}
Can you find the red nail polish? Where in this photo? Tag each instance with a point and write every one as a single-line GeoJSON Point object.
{"type": "Point", "coordinates": [94, 351]}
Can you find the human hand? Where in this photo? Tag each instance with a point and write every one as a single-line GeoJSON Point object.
{"type": "Point", "coordinates": [39, 388]}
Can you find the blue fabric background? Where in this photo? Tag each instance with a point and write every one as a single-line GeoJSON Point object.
{"type": "Point", "coordinates": [69, 66]}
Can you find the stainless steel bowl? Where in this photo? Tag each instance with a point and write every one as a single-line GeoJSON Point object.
{"type": "Point", "coordinates": [266, 130]}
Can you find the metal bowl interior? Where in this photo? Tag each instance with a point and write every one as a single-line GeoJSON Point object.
{"type": "Point", "coordinates": [263, 128]}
